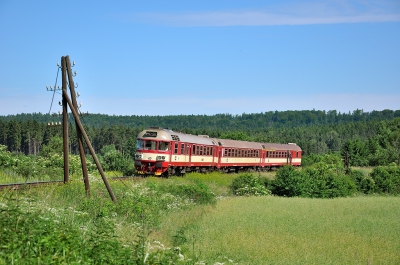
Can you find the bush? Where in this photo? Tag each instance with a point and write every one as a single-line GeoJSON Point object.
{"type": "Point", "coordinates": [290, 182]}
{"type": "Point", "coordinates": [32, 237]}
{"type": "Point", "coordinates": [198, 192]}
{"type": "Point", "coordinates": [318, 181]}
{"type": "Point", "coordinates": [364, 184]}
{"type": "Point", "coordinates": [113, 160]}
{"type": "Point", "coordinates": [387, 179]}
{"type": "Point", "coordinates": [249, 185]}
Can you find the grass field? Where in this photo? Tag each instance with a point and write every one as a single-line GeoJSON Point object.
{"type": "Point", "coordinates": [237, 230]}
{"type": "Point", "coordinates": [273, 230]}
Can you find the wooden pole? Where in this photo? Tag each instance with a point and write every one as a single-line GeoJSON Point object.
{"type": "Point", "coordinates": [78, 131]}
{"type": "Point", "coordinates": [78, 122]}
{"type": "Point", "coordinates": [65, 120]}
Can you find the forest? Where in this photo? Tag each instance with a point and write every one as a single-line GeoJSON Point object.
{"type": "Point", "coordinates": [370, 138]}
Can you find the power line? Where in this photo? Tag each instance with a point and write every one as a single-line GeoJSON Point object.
{"type": "Point", "coordinates": [55, 85]}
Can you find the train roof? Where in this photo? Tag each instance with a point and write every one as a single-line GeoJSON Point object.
{"type": "Point", "coordinates": [166, 134]}
{"type": "Point", "coordinates": [272, 146]}
{"type": "Point", "coordinates": [239, 144]}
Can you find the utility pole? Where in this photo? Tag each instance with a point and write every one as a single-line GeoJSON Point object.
{"type": "Point", "coordinates": [65, 121]}
{"type": "Point", "coordinates": [347, 162]}
{"type": "Point", "coordinates": [78, 131]}
{"type": "Point", "coordinates": [66, 69]}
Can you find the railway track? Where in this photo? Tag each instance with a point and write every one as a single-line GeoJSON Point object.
{"type": "Point", "coordinates": [16, 186]}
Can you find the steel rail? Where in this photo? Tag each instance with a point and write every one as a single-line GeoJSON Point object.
{"type": "Point", "coordinates": [16, 186]}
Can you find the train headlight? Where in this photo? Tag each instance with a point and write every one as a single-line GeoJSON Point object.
{"type": "Point", "coordinates": [160, 158]}
{"type": "Point", "coordinates": [138, 156]}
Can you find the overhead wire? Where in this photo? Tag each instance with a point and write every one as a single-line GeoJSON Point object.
{"type": "Point", "coordinates": [55, 85]}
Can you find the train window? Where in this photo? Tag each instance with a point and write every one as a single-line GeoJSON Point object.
{"type": "Point", "coordinates": [163, 146]}
{"type": "Point", "coordinates": [201, 149]}
{"type": "Point", "coordinates": [176, 148]}
{"type": "Point", "coordinates": [225, 152]}
{"type": "Point", "coordinates": [258, 153]}
{"type": "Point", "coordinates": [193, 149]}
{"type": "Point", "coordinates": [182, 148]}
{"type": "Point", "coordinates": [139, 144]}
{"type": "Point", "coordinates": [150, 145]}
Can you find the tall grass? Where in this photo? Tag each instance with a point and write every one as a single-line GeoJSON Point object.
{"type": "Point", "coordinates": [273, 230]}
{"type": "Point", "coordinates": [179, 211]}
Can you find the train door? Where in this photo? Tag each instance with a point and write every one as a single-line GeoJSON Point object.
{"type": "Point", "coordinates": [289, 157]}
{"type": "Point", "coordinates": [189, 152]}
{"type": "Point", "coordinates": [215, 155]}
{"type": "Point", "coordinates": [184, 154]}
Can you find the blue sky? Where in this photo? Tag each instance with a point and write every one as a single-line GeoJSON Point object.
{"type": "Point", "coordinates": [202, 57]}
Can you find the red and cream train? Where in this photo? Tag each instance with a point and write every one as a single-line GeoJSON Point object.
{"type": "Point", "coordinates": [165, 152]}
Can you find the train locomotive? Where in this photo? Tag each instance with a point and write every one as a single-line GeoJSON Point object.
{"type": "Point", "coordinates": [163, 152]}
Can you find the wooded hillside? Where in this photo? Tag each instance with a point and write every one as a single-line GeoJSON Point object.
{"type": "Point", "coordinates": [371, 138]}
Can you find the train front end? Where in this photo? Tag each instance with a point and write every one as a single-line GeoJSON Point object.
{"type": "Point", "coordinates": [152, 152]}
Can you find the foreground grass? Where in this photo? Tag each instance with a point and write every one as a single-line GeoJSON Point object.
{"type": "Point", "coordinates": [240, 230]}
{"type": "Point", "coordinates": [273, 230]}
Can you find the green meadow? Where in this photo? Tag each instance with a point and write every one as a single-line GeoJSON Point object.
{"type": "Point", "coordinates": [273, 230]}
{"type": "Point", "coordinates": [193, 220]}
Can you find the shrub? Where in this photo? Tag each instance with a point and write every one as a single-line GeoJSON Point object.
{"type": "Point", "coordinates": [364, 183]}
{"type": "Point", "coordinates": [318, 181]}
{"type": "Point", "coordinates": [291, 182]}
{"type": "Point", "coordinates": [249, 185]}
{"type": "Point", "coordinates": [198, 192]}
{"type": "Point", "coordinates": [387, 179]}
{"type": "Point", "coordinates": [33, 237]}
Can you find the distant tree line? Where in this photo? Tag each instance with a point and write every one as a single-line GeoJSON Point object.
{"type": "Point", "coordinates": [369, 138]}
{"type": "Point", "coordinates": [226, 122]}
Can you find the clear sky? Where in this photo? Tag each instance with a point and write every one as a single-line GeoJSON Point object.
{"type": "Point", "coordinates": [202, 57]}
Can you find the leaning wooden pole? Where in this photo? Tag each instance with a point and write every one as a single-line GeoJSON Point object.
{"type": "Point", "coordinates": [78, 131]}
{"type": "Point", "coordinates": [65, 120]}
{"type": "Point", "coordinates": [78, 122]}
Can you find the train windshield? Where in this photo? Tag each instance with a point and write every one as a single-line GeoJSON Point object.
{"type": "Point", "coordinates": [146, 144]}
{"type": "Point", "coordinates": [151, 145]}
{"type": "Point", "coordinates": [139, 144]}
